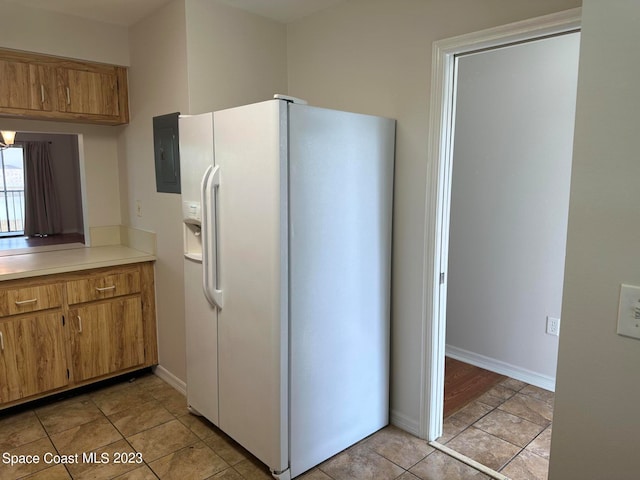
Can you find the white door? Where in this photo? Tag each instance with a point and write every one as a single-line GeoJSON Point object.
{"type": "Point", "coordinates": [250, 150]}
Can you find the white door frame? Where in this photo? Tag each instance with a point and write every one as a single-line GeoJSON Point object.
{"type": "Point", "coordinates": [438, 193]}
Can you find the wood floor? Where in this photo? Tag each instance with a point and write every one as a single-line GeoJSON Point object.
{"type": "Point", "coordinates": [463, 383]}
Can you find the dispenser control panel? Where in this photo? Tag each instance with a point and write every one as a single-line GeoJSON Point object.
{"type": "Point", "coordinates": [191, 212]}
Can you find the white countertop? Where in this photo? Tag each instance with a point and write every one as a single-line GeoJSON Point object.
{"type": "Point", "coordinates": [68, 260]}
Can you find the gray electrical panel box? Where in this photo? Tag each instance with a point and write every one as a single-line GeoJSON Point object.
{"type": "Point", "coordinates": [167, 152]}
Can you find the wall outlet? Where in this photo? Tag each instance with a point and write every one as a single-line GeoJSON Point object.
{"type": "Point", "coordinates": [553, 326]}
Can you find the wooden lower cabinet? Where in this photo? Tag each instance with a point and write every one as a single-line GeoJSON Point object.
{"type": "Point", "coordinates": [106, 337]}
{"type": "Point", "coordinates": [32, 356]}
{"type": "Point", "coordinates": [86, 326]}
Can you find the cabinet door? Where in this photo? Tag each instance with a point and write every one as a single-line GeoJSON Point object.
{"type": "Point", "coordinates": [87, 92]}
{"type": "Point", "coordinates": [106, 337]}
{"type": "Point", "coordinates": [32, 356]}
{"type": "Point", "coordinates": [25, 86]}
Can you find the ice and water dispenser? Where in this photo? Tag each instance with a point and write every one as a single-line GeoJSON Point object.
{"type": "Point", "coordinates": [192, 222]}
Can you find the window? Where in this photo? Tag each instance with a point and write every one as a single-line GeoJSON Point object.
{"type": "Point", "coordinates": [12, 191]}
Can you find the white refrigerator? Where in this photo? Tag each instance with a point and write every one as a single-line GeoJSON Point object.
{"type": "Point", "coordinates": [287, 235]}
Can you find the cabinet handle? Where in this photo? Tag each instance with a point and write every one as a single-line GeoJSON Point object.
{"type": "Point", "coordinates": [68, 97]}
{"type": "Point", "coordinates": [79, 324]}
{"type": "Point", "coordinates": [24, 302]}
{"type": "Point", "coordinates": [104, 289]}
{"type": "Point", "coordinates": [1, 342]}
{"type": "Point", "coordinates": [42, 93]}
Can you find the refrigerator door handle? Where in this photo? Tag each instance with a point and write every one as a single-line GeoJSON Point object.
{"type": "Point", "coordinates": [210, 182]}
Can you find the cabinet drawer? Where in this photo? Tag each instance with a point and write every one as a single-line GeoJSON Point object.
{"type": "Point", "coordinates": [103, 286]}
{"type": "Point", "coordinates": [29, 299]}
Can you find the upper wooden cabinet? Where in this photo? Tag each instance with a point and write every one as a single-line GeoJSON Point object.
{"type": "Point", "coordinates": [25, 86]}
{"type": "Point", "coordinates": [44, 87]}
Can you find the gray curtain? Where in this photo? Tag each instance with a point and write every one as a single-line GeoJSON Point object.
{"type": "Point", "coordinates": [42, 207]}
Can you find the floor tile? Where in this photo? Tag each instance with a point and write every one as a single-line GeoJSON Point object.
{"type": "Point", "coordinates": [140, 473]}
{"type": "Point", "coordinates": [160, 390]}
{"type": "Point", "coordinates": [67, 414]}
{"type": "Point", "coordinates": [360, 463]}
{"type": "Point", "coordinates": [450, 428]}
{"type": "Point", "coordinates": [509, 427]}
{"type": "Point", "coordinates": [141, 417]}
{"type": "Point", "coordinates": [145, 410]}
{"type": "Point", "coordinates": [496, 396]}
{"type": "Point", "coordinates": [439, 466]}
{"type": "Point", "coordinates": [513, 384]}
{"type": "Point", "coordinates": [315, 474]}
{"type": "Point", "coordinates": [252, 469]}
{"type": "Point", "coordinates": [57, 472]}
{"type": "Point", "coordinates": [39, 448]}
{"type": "Point", "coordinates": [198, 425]}
{"type": "Point", "coordinates": [539, 393]}
{"type": "Point", "coordinates": [542, 444]}
{"type": "Point", "coordinates": [408, 476]}
{"type": "Point", "coordinates": [527, 466]}
{"type": "Point", "coordinates": [113, 401]}
{"type": "Point", "coordinates": [86, 437]}
{"type": "Point", "coordinates": [529, 408]}
{"type": "Point", "coordinates": [228, 474]}
{"type": "Point", "coordinates": [398, 446]}
{"type": "Point", "coordinates": [471, 413]}
{"type": "Point", "coordinates": [484, 448]}
{"type": "Point", "coordinates": [162, 440]}
{"type": "Point", "coordinates": [196, 461]}
{"type": "Point", "coordinates": [149, 381]}
{"type": "Point", "coordinates": [230, 451]}
{"type": "Point", "coordinates": [175, 402]}
{"type": "Point", "coordinates": [108, 470]}
{"type": "Point", "coordinates": [16, 430]}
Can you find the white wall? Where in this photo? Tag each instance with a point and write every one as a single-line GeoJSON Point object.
{"type": "Point", "coordinates": [515, 110]}
{"type": "Point", "coordinates": [191, 56]}
{"type": "Point", "coordinates": [33, 30]}
{"type": "Point", "coordinates": [66, 173]}
{"type": "Point", "coordinates": [374, 56]}
{"type": "Point", "coordinates": [157, 85]}
{"type": "Point", "coordinates": [596, 423]}
{"type": "Point", "coordinates": [234, 57]}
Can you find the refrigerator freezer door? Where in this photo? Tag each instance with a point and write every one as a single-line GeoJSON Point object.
{"type": "Point", "coordinates": [196, 152]}
{"type": "Point", "coordinates": [202, 345]}
{"type": "Point", "coordinates": [341, 180]}
{"type": "Point", "coordinates": [250, 149]}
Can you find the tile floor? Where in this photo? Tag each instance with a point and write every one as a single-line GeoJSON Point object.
{"type": "Point", "coordinates": [145, 424]}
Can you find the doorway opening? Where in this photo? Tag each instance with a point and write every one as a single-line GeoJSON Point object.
{"type": "Point", "coordinates": [439, 187]}
{"type": "Point", "coordinates": [42, 197]}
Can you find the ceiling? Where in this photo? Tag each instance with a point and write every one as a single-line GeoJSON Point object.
{"type": "Point", "coordinates": [129, 12]}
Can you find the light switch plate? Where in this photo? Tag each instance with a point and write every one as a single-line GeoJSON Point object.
{"type": "Point", "coordinates": [629, 311]}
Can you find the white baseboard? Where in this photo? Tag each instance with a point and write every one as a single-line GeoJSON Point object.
{"type": "Point", "coordinates": [498, 366]}
{"type": "Point", "coordinates": [405, 423]}
{"type": "Point", "coordinates": [171, 379]}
